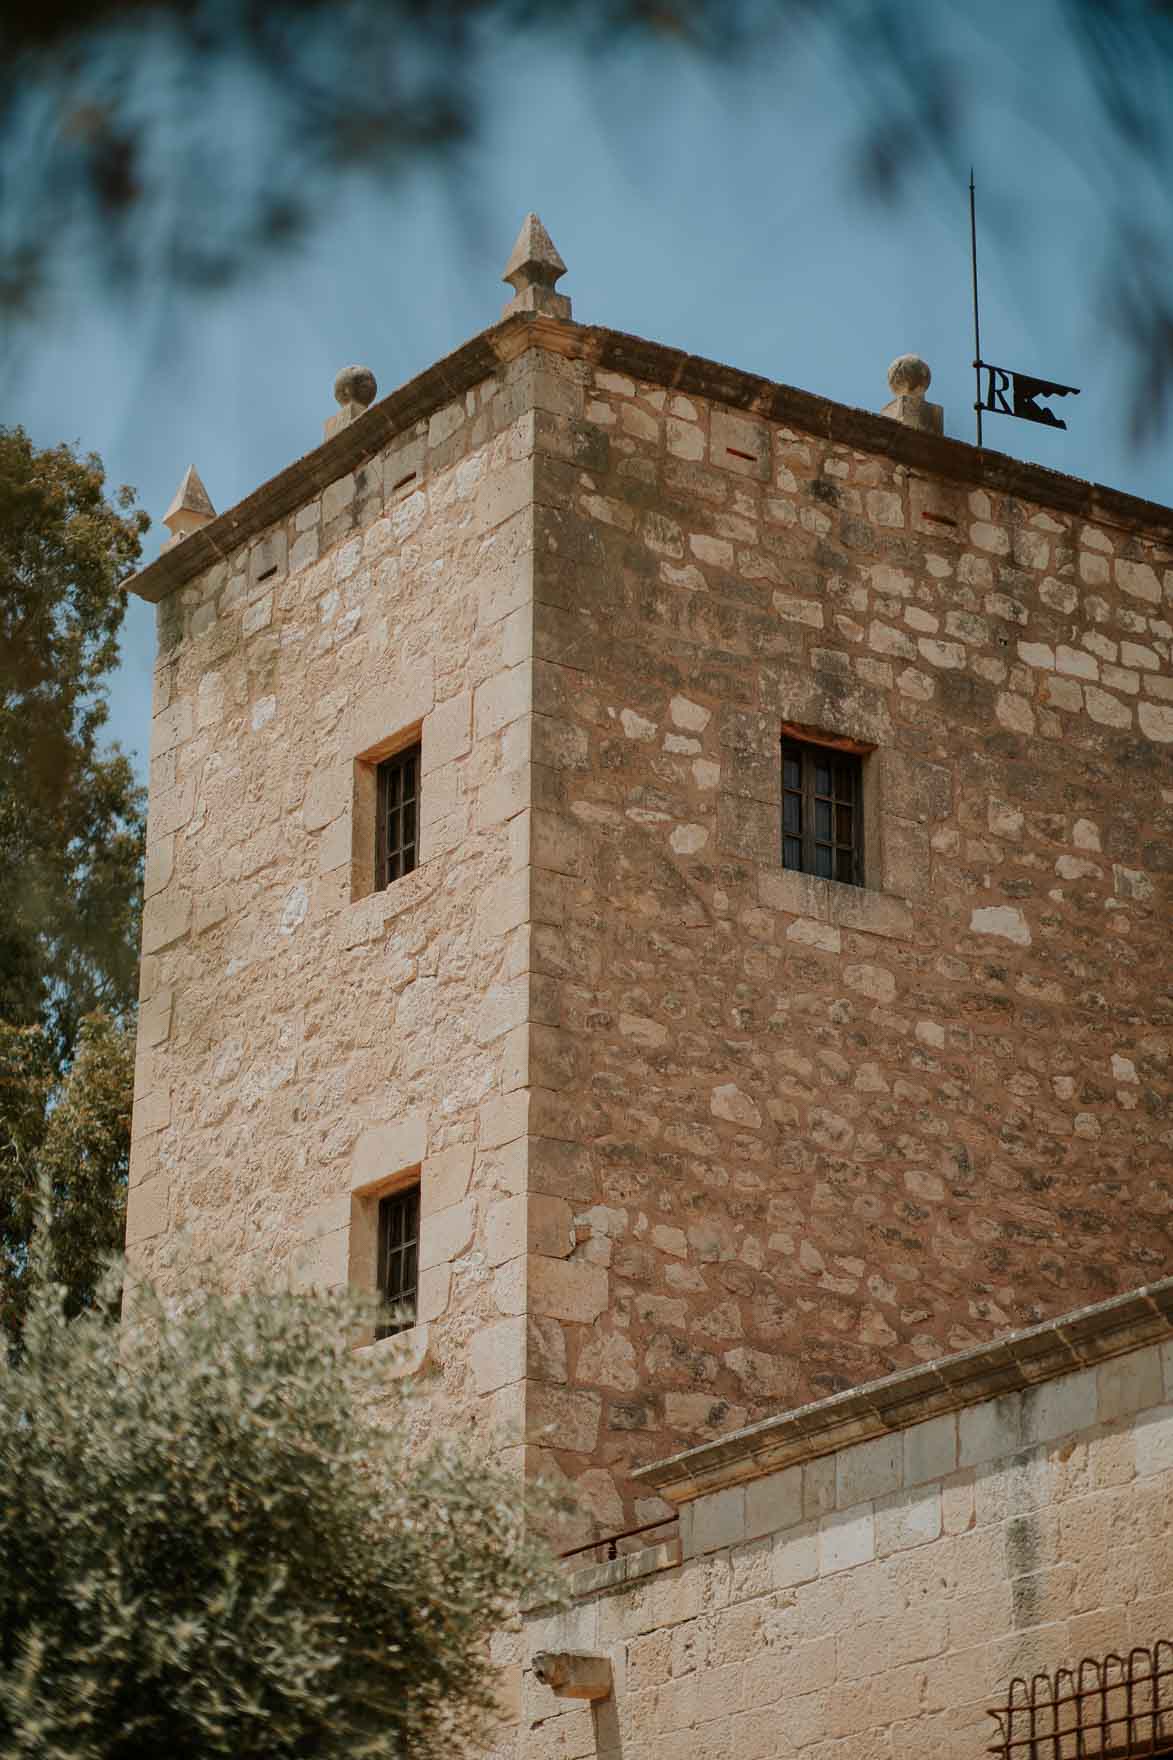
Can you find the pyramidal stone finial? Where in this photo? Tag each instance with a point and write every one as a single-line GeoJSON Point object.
{"type": "Point", "coordinates": [533, 269]}
{"type": "Point", "coordinates": [908, 379]}
{"type": "Point", "coordinates": [190, 509]}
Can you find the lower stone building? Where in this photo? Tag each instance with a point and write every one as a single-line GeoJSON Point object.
{"type": "Point", "coordinates": [971, 1557]}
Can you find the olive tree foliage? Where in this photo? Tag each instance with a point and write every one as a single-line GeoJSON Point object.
{"type": "Point", "coordinates": [71, 842]}
{"type": "Point", "coordinates": [178, 140]}
{"type": "Point", "coordinates": [213, 1542]}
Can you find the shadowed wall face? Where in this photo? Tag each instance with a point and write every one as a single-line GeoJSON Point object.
{"type": "Point", "coordinates": [817, 1131]}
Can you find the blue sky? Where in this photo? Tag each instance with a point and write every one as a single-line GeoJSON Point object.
{"type": "Point", "coordinates": [713, 211]}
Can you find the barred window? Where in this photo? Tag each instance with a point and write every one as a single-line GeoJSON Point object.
{"type": "Point", "coordinates": [397, 817]}
{"type": "Point", "coordinates": [398, 1265]}
{"type": "Point", "coordinates": [1117, 1705]}
{"type": "Point", "coordinates": [822, 811]}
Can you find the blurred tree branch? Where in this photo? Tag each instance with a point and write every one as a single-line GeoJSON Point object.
{"type": "Point", "coordinates": [181, 140]}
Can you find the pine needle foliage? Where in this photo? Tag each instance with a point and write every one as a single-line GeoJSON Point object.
{"type": "Point", "coordinates": [213, 1543]}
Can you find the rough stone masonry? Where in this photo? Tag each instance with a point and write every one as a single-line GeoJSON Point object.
{"type": "Point", "coordinates": [698, 1138]}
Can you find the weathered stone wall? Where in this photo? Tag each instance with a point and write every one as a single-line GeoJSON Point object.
{"type": "Point", "coordinates": [303, 1037]}
{"type": "Point", "coordinates": [875, 1602]}
{"type": "Point", "coordinates": [698, 1138]}
{"type": "Point", "coordinates": [812, 1132]}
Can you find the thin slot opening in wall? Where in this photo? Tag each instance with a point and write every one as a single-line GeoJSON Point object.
{"type": "Point", "coordinates": [267, 573]}
{"type": "Point", "coordinates": [403, 482]}
{"type": "Point", "coordinates": [750, 457]}
{"type": "Point", "coordinates": [941, 519]}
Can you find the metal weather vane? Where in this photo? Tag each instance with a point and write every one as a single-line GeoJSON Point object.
{"type": "Point", "coordinates": [1023, 388]}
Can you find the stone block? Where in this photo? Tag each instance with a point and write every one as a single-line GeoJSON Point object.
{"type": "Point", "coordinates": [497, 1354]}
{"type": "Point", "coordinates": [432, 1293]}
{"type": "Point", "coordinates": [749, 828]}
{"type": "Point", "coordinates": [867, 1470]}
{"type": "Point", "coordinates": [384, 715]}
{"type": "Point", "coordinates": [718, 1520]}
{"type": "Point", "coordinates": [930, 1449]}
{"type": "Point", "coordinates": [505, 1230]}
{"type": "Point", "coordinates": [794, 1556]}
{"type": "Point", "coordinates": [1060, 1408]}
{"type": "Point", "coordinates": [446, 1234]}
{"type": "Point", "coordinates": [171, 809]}
{"type": "Point", "coordinates": [504, 492]}
{"type": "Point", "coordinates": [909, 1518]}
{"type": "Point", "coordinates": [166, 919]}
{"type": "Point", "coordinates": [567, 1289]}
{"type": "Point", "coordinates": [444, 1178]}
{"type": "Point", "coordinates": [447, 732]}
{"type": "Point", "coordinates": [171, 727]}
{"type": "Point", "coordinates": [1154, 1441]}
{"type": "Point", "coordinates": [1128, 1384]}
{"type": "Point", "coordinates": [501, 699]}
{"type": "Point", "coordinates": [154, 1019]}
{"type": "Point", "coordinates": [550, 1226]}
{"type": "Point", "coordinates": [774, 1503]}
{"type": "Point", "coordinates": [337, 496]}
{"type": "Point", "coordinates": [915, 789]}
{"type": "Point", "coordinates": [560, 1418]}
{"type": "Point", "coordinates": [384, 1150]}
{"type": "Point", "coordinates": [739, 443]}
{"type": "Point", "coordinates": [146, 1209]}
{"type": "Point", "coordinates": [847, 1538]}
{"type": "Point", "coordinates": [503, 1119]}
{"type": "Point", "coordinates": [328, 793]}
{"type": "Point", "coordinates": [159, 866]}
{"type": "Point", "coordinates": [988, 1431]}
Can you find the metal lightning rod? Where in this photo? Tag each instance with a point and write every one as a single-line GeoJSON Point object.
{"type": "Point", "coordinates": [977, 335]}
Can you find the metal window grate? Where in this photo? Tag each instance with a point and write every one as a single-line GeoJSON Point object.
{"type": "Point", "coordinates": [398, 815]}
{"type": "Point", "coordinates": [822, 816]}
{"type": "Point", "coordinates": [1109, 1709]}
{"type": "Point", "coordinates": [399, 1247]}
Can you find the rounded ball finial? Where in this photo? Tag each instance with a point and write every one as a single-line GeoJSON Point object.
{"type": "Point", "coordinates": [355, 385]}
{"type": "Point", "coordinates": [909, 376]}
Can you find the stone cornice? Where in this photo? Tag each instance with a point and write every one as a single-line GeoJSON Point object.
{"type": "Point", "coordinates": [476, 360]}
{"type": "Point", "coordinates": [1011, 1365]}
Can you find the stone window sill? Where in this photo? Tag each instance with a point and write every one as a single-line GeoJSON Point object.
{"type": "Point", "coordinates": [365, 919]}
{"type": "Point", "coordinates": [858, 908]}
{"type": "Point", "coordinates": [629, 1568]}
{"type": "Point", "coordinates": [401, 1355]}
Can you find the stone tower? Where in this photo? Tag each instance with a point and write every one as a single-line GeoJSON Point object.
{"type": "Point", "coordinates": [708, 1117]}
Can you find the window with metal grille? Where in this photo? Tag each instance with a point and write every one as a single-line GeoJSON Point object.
{"type": "Point", "coordinates": [399, 1253]}
{"type": "Point", "coordinates": [398, 815]}
{"type": "Point", "coordinates": [1118, 1706]}
{"type": "Point", "coordinates": [822, 811]}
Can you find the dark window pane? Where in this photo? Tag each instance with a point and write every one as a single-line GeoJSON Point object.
{"type": "Point", "coordinates": [821, 819]}
{"type": "Point", "coordinates": [398, 1267]}
{"type": "Point", "coordinates": [398, 806]}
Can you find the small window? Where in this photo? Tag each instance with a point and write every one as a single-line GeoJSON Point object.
{"type": "Point", "coordinates": [822, 811]}
{"type": "Point", "coordinates": [399, 1254]}
{"type": "Point", "coordinates": [398, 816]}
